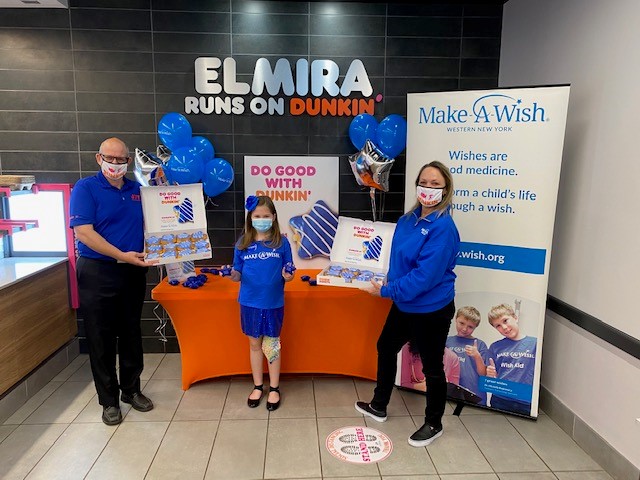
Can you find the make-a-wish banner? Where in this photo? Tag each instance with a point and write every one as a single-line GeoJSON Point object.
{"type": "Point", "coordinates": [304, 191]}
{"type": "Point", "coordinates": [504, 149]}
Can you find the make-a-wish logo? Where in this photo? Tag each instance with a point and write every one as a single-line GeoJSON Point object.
{"type": "Point", "coordinates": [488, 109]}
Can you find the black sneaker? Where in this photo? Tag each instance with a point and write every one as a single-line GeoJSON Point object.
{"type": "Point", "coordinates": [424, 436]}
{"type": "Point", "coordinates": [366, 409]}
{"type": "Point", "coordinates": [138, 401]}
{"type": "Point", "coordinates": [111, 415]}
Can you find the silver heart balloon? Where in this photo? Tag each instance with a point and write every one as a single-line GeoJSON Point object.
{"type": "Point", "coordinates": [148, 170]}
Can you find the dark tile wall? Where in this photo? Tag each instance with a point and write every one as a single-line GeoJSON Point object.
{"type": "Point", "coordinates": [70, 78]}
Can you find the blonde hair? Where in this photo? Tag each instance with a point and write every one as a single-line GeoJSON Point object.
{"type": "Point", "coordinates": [500, 311]}
{"type": "Point", "coordinates": [470, 313]}
{"type": "Point", "coordinates": [250, 233]}
{"type": "Point", "coordinates": [447, 198]}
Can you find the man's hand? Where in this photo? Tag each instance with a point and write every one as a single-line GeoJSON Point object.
{"type": "Point", "coordinates": [136, 258]}
{"type": "Point", "coordinates": [373, 289]}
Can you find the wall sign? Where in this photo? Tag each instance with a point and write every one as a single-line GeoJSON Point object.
{"type": "Point", "coordinates": [316, 88]}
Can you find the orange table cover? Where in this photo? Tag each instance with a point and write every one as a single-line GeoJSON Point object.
{"type": "Point", "coordinates": [330, 330]}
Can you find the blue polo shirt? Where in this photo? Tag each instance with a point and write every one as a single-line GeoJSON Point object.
{"type": "Point", "coordinates": [116, 214]}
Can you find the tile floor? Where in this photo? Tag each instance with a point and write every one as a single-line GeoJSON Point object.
{"type": "Point", "coordinates": [208, 432]}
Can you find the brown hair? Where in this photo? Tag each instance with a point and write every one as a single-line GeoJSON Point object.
{"type": "Point", "coordinates": [250, 233]}
{"type": "Point", "coordinates": [447, 198]}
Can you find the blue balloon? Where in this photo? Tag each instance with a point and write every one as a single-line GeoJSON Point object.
{"type": "Point", "coordinates": [184, 166]}
{"type": "Point", "coordinates": [203, 147]}
{"type": "Point", "coordinates": [174, 131]}
{"type": "Point", "coordinates": [218, 177]}
{"type": "Point", "coordinates": [362, 128]}
{"type": "Point", "coordinates": [392, 135]}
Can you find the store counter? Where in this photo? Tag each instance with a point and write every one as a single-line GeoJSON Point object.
{"type": "Point", "coordinates": [35, 316]}
{"type": "Point", "coordinates": [330, 330]}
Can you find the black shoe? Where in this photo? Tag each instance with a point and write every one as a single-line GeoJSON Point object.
{"type": "Point", "coordinates": [274, 406]}
{"type": "Point", "coordinates": [138, 401]}
{"type": "Point", "coordinates": [111, 415]}
{"type": "Point", "coordinates": [424, 435]}
{"type": "Point", "coordinates": [366, 409]}
{"type": "Point", "coordinates": [254, 403]}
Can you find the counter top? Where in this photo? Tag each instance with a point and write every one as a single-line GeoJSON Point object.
{"type": "Point", "coordinates": [15, 269]}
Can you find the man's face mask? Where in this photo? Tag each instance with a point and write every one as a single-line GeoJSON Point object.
{"type": "Point", "coordinates": [113, 171]}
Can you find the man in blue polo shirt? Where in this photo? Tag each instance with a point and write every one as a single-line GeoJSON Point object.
{"type": "Point", "coordinates": [106, 216]}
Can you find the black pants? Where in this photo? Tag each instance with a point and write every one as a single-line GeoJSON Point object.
{"type": "Point", "coordinates": [427, 331]}
{"type": "Point", "coordinates": [111, 298]}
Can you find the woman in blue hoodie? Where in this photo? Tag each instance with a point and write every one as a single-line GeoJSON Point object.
{"type": "Point", "coordinates": [421, 284]}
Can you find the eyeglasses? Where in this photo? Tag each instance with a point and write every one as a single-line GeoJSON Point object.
{"type": "Point", "coordinates": [114, 160]}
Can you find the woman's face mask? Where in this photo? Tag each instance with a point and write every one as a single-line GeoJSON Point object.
{"type": "Point", "coordinates": [262, 224]}
{"type": "Point", "coordinates": [429, 197]}
{"type": "Point", "coordinates": [112, 170]}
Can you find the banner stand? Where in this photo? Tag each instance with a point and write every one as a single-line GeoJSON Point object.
{"type": "Point", "coordinates": [503, 148]}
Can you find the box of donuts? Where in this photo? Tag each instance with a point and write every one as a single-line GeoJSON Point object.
{"type": "Point", "coordinates": [175, 223]}
{"type": "Point", "coordinates": [360, 253]}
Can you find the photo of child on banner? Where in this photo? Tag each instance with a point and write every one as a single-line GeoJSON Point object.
{"type": "Point", "coordinates": [378, 145]}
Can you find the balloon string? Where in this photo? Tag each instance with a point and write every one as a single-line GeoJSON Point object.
{"type": "Point", "coordinates": [372, 194]}
{"type": "Point", "coordinates": [383, 197]}
{"type": "Point", "coordinates": [162, 319]}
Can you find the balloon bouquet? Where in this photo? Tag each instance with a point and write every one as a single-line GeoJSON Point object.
{"type": "Point", "coordinates": [181, 159]}
{"type": "Point", "coordinates": [378, 145]}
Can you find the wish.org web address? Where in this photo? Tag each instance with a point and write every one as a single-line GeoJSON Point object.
{"type": "Point", "coordinates": [480, 255]}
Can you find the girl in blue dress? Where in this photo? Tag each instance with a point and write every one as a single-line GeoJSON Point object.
{"type": "Point", "coordinates": [262, 263]}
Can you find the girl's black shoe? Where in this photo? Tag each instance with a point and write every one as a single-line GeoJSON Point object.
{"type": "Point", "coordinates": [273, 406]}
{"type": "Point", "coordinates": [254, 403]}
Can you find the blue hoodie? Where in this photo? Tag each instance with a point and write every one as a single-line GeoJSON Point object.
{"type": "Point", "coordinates": [423, 256]}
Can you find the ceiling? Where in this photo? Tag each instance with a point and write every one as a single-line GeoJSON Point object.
{"type": "Point", "coordinates": [65, 3]}
{"type": "Point", "coordinates": [34, 3]}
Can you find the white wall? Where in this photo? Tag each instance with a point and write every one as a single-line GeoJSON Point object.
{"type": "Point", "coordinates": [595, 262]}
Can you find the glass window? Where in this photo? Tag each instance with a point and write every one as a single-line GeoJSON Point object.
{"type": "Point", "coordinates": [48, 209]}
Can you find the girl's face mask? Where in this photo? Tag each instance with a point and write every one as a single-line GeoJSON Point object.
{"type": "Point", "coordinates": [429, 197]}
{"type": "Point", "coordinates": [262, 224]}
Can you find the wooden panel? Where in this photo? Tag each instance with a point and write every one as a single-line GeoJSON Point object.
{"type": "Point", "coordinates": [35, 321]}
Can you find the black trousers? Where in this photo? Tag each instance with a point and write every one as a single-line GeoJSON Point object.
{"type": "Point", "coordinates": [111, 299]}
{"type": "Point", "coordinates": [427, 331]}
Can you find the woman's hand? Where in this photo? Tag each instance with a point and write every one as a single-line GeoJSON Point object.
{"type": "Point", "coordinates": [373, 289]}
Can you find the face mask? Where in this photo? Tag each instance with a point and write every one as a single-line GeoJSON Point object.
{"type": "Point", "coordinates": [262, 224]}
{"type": "Point", "coordinates": [113, 171]}
{"type": "Point", "coordinates": [429, 197]}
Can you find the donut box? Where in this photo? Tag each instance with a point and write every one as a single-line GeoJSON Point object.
{"type": "Point", "coordinates": [175, 223]}
{"type": "Point", "coordinates": [360, 253]}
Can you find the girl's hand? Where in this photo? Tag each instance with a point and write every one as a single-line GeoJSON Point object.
{"type": "Point", "coordinates": [233, 275]}
{"type": "Point", "coordinates": [287, 276]}
{"type": "Point", "coordinates": [374, 289]}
